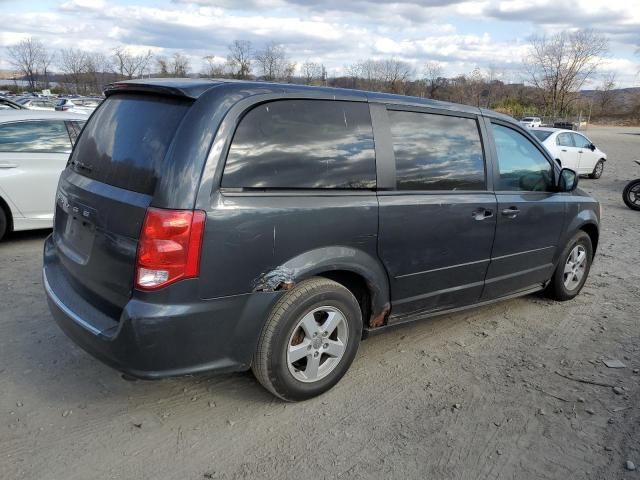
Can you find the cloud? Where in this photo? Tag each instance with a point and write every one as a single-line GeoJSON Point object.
{"type": "Point", "coordinates": [460, 35]}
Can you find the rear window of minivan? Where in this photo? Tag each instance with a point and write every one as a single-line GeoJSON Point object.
{"type": "Point", "coordinates": [125, 142]}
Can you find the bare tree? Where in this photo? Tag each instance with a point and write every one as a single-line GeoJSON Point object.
{"type": "Point", "coordinates": [180, 65]}
{"type": "Point", "coordinates": [492, 85]}
{"type": "Point", "coordinates": [388, 75]}
{"type": "Point", "coordinates": [475, 86]}
{"type": "Point", "coordinates": [433, 79]}
{"type": "Point", "coordinates": [606, 93]}
{"type": "Point", "coordinates": [73, 63]}
{"type": "Point", "coordinates": [274, 64]}
{"type": "Point", "coordinates": [312, 71]}
{"type": "Point", "coordinates": [98, 67]}
{"type": "Point", "coordinates": [213, 68]}
{"type": "Point", "coordinates": [46, 59]}
{"type": "Point", "coordinates": [239, 58]}
{"type": "Point", "coordinates": [28, 56]}
{"type": "Point", "coordinates": [395, 74]}
{"type": "Point", "coordinates": [163, 66]}
{"type": "Point", "coordinates": [129, 65]}
{"type": "Point", "coordinates": [560, 64]}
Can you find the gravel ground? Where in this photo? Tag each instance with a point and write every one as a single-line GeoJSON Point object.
{"type": "Point", "coordinates": [477, 395]}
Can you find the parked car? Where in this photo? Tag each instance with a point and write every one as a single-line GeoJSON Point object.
{"type": "Point", "coordinates": [565, 125]}
{"type": "Point", "coordinates": [77, 105]}
{"type": "Point", "coordinates": [7, 104]}
{"type": "Point", "coordinates": [221, 226]}
{"type": "Point", "coordinates": [38, 103]}
{"type": "Point", "coordinates": [531, 122]}
{"type": "Point", "coordinates": [573, 150]}
{"type": "Point", "coordinates": [34, 148]}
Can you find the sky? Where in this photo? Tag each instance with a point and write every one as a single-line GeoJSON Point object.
{"type": "Point", "coordinates": [458, 35]}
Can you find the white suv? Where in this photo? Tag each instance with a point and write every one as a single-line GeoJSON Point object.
{"type": "Point", "coordinates": [34, 148]}
{"type": "Point", "coordinates": [531, 122]}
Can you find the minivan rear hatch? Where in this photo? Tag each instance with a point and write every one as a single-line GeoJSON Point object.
{"type": "Point", "coordinates": [105, 190]}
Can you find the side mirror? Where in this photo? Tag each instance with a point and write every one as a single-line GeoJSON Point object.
{"type": "Point", "coordinates": [568, 180]}
{"type": "Point", "coordinates": [592, 147]}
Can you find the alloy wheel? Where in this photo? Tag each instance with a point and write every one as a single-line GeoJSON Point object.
{"type": "Point", "coordinates": [575, 267]}
{"type": "Point", "coordinates": [317, 344]}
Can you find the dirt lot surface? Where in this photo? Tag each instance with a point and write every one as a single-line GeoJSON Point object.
{"type": "Point", "coordinates": [475, 395]}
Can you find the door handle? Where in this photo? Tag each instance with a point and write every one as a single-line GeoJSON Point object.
{"type": "Point", "coordinates": [563, 149]}
{"type": "Point", "coordinates": [8, 165]}
{"type": "Point", "coordinates": [481, 214]}
{"type": "Point", "coordinates": [511, 212]}
{"type": "Point", "coordinates": [579, 151]}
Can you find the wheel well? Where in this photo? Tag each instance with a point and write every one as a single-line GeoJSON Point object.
{"type": "Point", "coordinates": [357, 285]}
{"type": "Point", "coordinates": [7, 211]}
{"type": "Point", "coordinates": [591, 230]}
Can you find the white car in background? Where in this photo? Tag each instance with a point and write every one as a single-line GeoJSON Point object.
{"type": "Point", "coordinates": [572, 150]}
{"type": "Point", "coordinates": [531, 122]}
{"type": "Point", "coordinates": [38, 103]}
{"type": "Point", "coordinates": [77, 105]}
{"type": "Point", "coordinates": [34, 149]}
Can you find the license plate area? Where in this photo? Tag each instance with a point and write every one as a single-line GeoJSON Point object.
{"type": "Point", "coordinates": [76, 225]}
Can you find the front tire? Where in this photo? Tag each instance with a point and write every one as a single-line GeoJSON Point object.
{"type": "Point", "coordinates": [3, 223]}
{"type": "Point", "coordinates": [597, 170]}
{"type": "Point", "coordinates": [631, 195]}
{"type": "Point", "coordinates": [573, 268]}
{"type": "Point", "coordinates": [309, 340]}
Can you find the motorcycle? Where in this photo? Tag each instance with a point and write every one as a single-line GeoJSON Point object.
{"type": "Point", "coordinates": [631, 193]}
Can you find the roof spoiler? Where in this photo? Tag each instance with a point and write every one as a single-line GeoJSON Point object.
{"type": "Point", "coordinates": [162, 86]}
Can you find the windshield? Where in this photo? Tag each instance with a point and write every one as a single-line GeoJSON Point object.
{"type": "Point", "coordinates": [541, 135]}
{"type": "Point", "coordinates": [527, 119]}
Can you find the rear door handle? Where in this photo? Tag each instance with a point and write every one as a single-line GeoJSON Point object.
{"type": "Point", "coordinates": [564, 149]}
{"type": "Point", "coordinates": [8, 165]}
{"type": "Point", "coordinates": [482, 213]}
{"type": "Point", "coordinates": [510, 212]}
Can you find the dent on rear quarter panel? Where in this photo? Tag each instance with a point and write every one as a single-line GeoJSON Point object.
{"type": "Point", "coordinates": [280, 278]}
{"type": "Point", "coordinates": [264, 243]}
{"type": "Point", "coordinates": [334, 259]}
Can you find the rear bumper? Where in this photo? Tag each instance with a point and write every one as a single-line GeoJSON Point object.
{"type": "Point", "coordinates": [159, 339]}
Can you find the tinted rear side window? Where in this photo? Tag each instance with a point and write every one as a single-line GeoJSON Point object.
{"type": "Point", "coordinates": [125, 141]}
{"type": "Point", "coordinates": [303, 144]}
{"type": "Point", "coordinates": [436, 152]}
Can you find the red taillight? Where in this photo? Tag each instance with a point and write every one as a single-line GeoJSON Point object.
{"type": "Point", "coordinates": [169, 247]}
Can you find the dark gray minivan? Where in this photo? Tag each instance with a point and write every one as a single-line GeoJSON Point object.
{"type": "Point", "coordinates": [226, 225]}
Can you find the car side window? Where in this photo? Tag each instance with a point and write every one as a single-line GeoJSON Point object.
{"type": "Point", "coordinates": [436, 152]}
{"type": "Point", "coordinates": [522, 167]}
{"type": "Point", "coordinates": [38, 136]}
{"type": "Point", "coordinates": [303, 144]}
{"type": "Point", "coordinates": [580, 141]}
{"type": "Point", "coordinates": [565, 140]}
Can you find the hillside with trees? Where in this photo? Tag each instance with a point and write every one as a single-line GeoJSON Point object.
{"type": "Point", "coordinates": [554, 73]}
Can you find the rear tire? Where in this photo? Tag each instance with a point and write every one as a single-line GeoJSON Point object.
{"type": "Point", "coordinates": [597, 170]}
{"type": "Point", "coordinates": [573, 268]}
{"type": "Point", "coordinates": [631, 195]}
{"type": "Point", "coordinates": [4, 224]}
{"type": "Point", "coordinates": [309, 340]}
